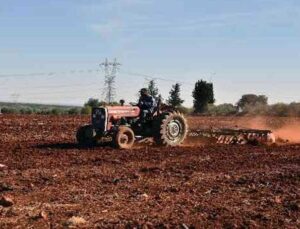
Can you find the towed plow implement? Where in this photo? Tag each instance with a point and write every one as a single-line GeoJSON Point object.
{"type": "Point", "coordinates": [233, 136]}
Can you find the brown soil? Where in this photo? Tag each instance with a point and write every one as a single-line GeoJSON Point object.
{"type": "Point", "coordinates": [50, 180]}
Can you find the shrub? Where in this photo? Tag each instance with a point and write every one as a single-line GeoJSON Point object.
{"type": "Point", "coordinates": [26, 111]}
{"type": "Point", "coordinates": [257, 109]}
{"type": "Point", "coordinates": [9, 110]}
{"type": "Point", "coordinates": [225, 109]}
{"type": "Point", "coordinates": [74, 111]}
{"type": "Point", "coordinates": [279, 109]}
{"type": "Point", "coordinates": [294, 109]}
{"type": "Point", "coordinates": [54, 111]}
{"type": "Point", "coordinates": [185, 110]}
{"type": "Point", "coordinates": [86, 110]}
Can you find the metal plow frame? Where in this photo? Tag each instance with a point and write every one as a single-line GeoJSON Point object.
{"type": "Point", "coordinates": [235, 136]}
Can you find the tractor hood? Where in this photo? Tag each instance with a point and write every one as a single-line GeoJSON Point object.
{"type": "Point", "coordinates": [117, 112]}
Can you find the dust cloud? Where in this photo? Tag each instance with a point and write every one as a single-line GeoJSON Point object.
{"type": "Point", "coordinates": [289, 132]}
{"type": "Point", "coordinates": [285, 129]}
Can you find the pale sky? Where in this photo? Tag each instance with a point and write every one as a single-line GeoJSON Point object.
{"type": "Point", "coordinates": [47, 48]}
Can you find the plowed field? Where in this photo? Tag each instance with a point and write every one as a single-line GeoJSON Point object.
{"type": "Point", "coordinates": [50, 180]}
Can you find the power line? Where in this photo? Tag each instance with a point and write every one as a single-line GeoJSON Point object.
{"type": "Point", "coordinates": [53, 96]}
{"type": "Point", "coordinates": [54, 86]}
{"type": "Point", "coordinates": [110, 69]}
{"type": "Point", "coordinates": [156, 78]}
{"type": "Point", "coordinates": [15, 97]}
{"type": "Point", "coordinates": [50, 73]}
{"type": "Point", "coordinates": [107, 69]}
{"type": "Point", "coordinates": [63, 92]}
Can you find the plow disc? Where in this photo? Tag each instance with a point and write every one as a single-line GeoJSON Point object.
{"type": "Point", "coordinates": [234, 136]}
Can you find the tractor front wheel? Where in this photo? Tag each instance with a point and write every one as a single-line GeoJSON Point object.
{"type": "Point", "coordinates": [86, 135]}
{"type": "Point", "coordinates": [124, 138]}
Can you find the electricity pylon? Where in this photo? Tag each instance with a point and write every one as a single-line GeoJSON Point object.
{"type": "Point", "coordinates": [110, 70]}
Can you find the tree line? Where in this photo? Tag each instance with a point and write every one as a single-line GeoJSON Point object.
{"type": "Point", "coordinates": [29, 108]}
{"type": "Point", "coordinates": [203, 104]}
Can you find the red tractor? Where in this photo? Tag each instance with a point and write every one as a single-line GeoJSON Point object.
{"type": "Point", "coordinates": [123, 125]}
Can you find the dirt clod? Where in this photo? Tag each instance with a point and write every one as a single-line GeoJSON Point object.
{"type": "Point", "coordinates": [75, 221]}
{"type": "Point", "coordinates": [6, 201]}
{"type": "Point", "coordinates": [2, 166]}
{"type": "Point", "coordinates": [4, 187]}
{"type": "Point", "coordinates": [43, 215]}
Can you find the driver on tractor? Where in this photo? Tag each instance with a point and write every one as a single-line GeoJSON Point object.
{"type": "Point", "coordinates": [146, 103]}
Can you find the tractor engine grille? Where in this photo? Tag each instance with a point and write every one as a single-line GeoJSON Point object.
{"type": "Point", "coordinates": [99, 119]}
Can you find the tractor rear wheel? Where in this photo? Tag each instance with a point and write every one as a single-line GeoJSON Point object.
{"type": "Point", "coordinates": [170, 129]}
{"type": "Point", "coordinates": [124, 138]}
{"type": "Point", "coordinates": [86, 135]}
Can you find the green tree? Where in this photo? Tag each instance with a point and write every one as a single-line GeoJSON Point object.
{"type": "Point", "coordinates": [153, 89]}
{"type": "Point", "coordinates": [248, 101]}
{"type": "Point", "coordinates": [92, 102]}
{"type": "Point", "coordinates": [174, 98]}
{"type": "Point", "coordinates": [203, 95]}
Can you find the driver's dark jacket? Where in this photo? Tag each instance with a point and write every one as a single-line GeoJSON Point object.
{"type": "Point", "coordinates": [147, 103]}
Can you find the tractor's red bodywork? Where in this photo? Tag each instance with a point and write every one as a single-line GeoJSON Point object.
{"type": "Point", "coordinates": [118, 112]}
{"type": "Point", "coordinates": [122, 125]}
{"type": "Point", "coordinates": [104, 118]}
